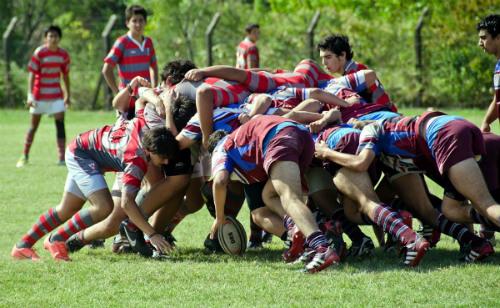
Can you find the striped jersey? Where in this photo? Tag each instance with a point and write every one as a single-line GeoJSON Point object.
{"type": "Point", "coordinates": [133, 58]}
{"type": "Point", "coordinates": [117, 148]}
{"type": "Point", "coordinates": [47, 66]}
{"type": "Point", "coordinates": [246, 51]}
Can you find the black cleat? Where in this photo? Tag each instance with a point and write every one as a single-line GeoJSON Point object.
{"type": "Point", "coordinates": [136, 239]}
{"type": "Point", "coordinates": [74, 243]}
{"type": "Point", "coordinates": [212, 245]}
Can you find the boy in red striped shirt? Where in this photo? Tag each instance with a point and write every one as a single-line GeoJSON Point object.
{"type": "Point", "coordinates": [45, 95]}
{"type": "Point", "coordinates": [133, 52]}
{"type": "Point", "coordinates": [247, 53]}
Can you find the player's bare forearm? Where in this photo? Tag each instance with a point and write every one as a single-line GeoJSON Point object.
{"type": "Point", "coordinates": [107, 72]}
{"type": "Point", "coordinates": [153, 71]}
{"type": "Point", "coordinates": [490, 116]}
{"type": "Point", "coordinates": [327, 98]}
{"type": "Point", "coordinates": [132, 210]}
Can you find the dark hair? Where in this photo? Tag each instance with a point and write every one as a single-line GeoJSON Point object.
{"type": "Point", "coordinates": [135, 10]}
{"type": "Point", "coordinates": [55, 29]}
{"type": "Point", "coordinates": [160, 141]}
{"type": "Point", "coordinates": [214, 139]}
{"type": "Point", "coordinates": [490, 23]}
{"type": "Point", "coordinates": [183, 109]}
{"type": "Point", "coordinates": [337, 43]}
{"type": "Point", "coordinates": [176, 70]}
{"type": "Point", "coordinates": [250, 27]}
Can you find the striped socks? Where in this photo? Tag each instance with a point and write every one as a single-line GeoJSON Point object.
{"type": "Point", "coordinates": [392, 223]}
{"type": "Point", "coordinates": [78, 222]}
{"type": "Point", "coordinates": [47, 222]}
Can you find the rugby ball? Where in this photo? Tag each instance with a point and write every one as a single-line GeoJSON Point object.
{"type": "Point", "coordinates": [232, 237]}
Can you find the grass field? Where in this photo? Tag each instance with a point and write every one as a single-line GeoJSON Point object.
{"type": "Point", "coordinates": [190, 278]}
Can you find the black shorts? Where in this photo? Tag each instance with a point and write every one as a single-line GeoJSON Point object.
{"type": "Point", "coordinates": [180, 164]}
{"type": "Point", "coordinates": [253, 194]}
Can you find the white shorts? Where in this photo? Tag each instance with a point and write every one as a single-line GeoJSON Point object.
{"type": "Point", "coordinates": [84, 178]}
{"type": "Point", "coordinates": [48, 107]}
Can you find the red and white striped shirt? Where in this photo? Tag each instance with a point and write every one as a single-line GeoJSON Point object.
{"type": "Point", "coordinates": [133, 58]}
{"type": "Point", "coordinates": [246, 51]}
{"type": "Point", "coordinates": [47, 66]}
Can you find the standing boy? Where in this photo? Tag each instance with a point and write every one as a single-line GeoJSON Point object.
{"type": "Point", "coordinates": [247, 53]}
{"type": "Point", "coordinates": [133, 52]}
{"type": "Point", "coordinates": [489, 40]}
{"type": "Point", "coordinates": [45, 95]}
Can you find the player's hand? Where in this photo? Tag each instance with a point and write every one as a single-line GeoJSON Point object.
{"type": "Point", "coordinates": [215, 226]}
{"type": "Point", "coordinates": [321, 150]}
{"type": "Point", "coordinates": [243, 118]}
{"type": "Point", "coordinates": [139, 82]}
{"type": "Point", "coordinates": [67, 102]}
{"type": "Point", "coordinates": [30, 103]}
{"type": "Point", "coordinates": [159, 242]}
{"type": "Point", "coordinates": [485, 127]}
{"type": "Point", "coordinates": [194, 74]}
{"type": "Point", "coordinates": [317, 126]}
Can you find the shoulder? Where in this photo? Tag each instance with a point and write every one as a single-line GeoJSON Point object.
{"type": "Point", "coordinates": [40, 50]}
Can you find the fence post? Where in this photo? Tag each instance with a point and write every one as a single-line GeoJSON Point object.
{"type": "Point", "coordinates": [6, 53]}
{"type": "Point", "coordinates": [418, 53]}
{"type": "Point", "coordinates": [107, 46]}
{"type": "Point", "coordinates": [208, 37]}
{"type": "Point", "coordinates": [310, 34]}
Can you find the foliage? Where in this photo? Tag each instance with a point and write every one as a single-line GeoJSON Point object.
{"type": "Point", "coordinates": [455, 71]}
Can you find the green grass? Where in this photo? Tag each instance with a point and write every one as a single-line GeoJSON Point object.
{"type": "Point", "coordinates": [190, 278]}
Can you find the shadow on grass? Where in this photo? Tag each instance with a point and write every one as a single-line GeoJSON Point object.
{"type": "Point", "coordinates": [435, 259]}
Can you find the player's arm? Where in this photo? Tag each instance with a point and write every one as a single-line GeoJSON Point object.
{"type": "Point", "coordinates": [360, 162]}
{"type": "Point", "coordinates": [219, 190]}
{"type": "Point", "coordinates": [109, 76]}
{"type": "Point", "coordinates": [205, 110]}
{"type": "Point", "coordinates": [168, 98]}
{"type": "Point", "coordinates": [130, 208]}
{"type": "Point", "coordinates": [218, 71]}
{"type": "Point", "coordinates": [67, 91]}
{"type": "Point", "coordinates": [327, 98]}
{"type": "Point", "coordinates": [153, 72]}
{"type": "Point", "coordinates": [31, 82]}
{"type": "Point", "coordinates": [490, 116]}
{"type": "Point", "coordinates": [121, 100]}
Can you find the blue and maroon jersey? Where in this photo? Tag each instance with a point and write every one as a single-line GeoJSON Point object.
{"type": "Point", "coordinates": [47, 66]}
{"type": "Point", "coordinates": [341, 138]}
{"type": "Point", "coordinates": [133, 58]}
{"type": "Point", "coordinates": [223, 118]}
{"type": "Point", "coordinates": [117, 148]}
{"type": "Point", "coordinates": [243, 151]}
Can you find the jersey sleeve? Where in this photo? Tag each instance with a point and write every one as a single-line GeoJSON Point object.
{"type": "Point", "coordinates": [34, 63]}
{"type": "Point", "coordinates": [355, 81]}
{"type": "Point", "coordinates": [220, 160]}
{"type": "Point", "coordinates": [116, 53]}
{"type": "Point", "coordinates": [133, 174]}
{"type": "Point", "coordinates": [370, 138]}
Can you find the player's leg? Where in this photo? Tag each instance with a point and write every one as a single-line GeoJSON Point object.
{"type": "Point", "coordinates": [358, 187]}
{"type": "Point", "coordinates": [468, 180]}
{"type": "Point", "coordinates": [60, 136]}
{"type": "Point", "coordinates": [28, 139]}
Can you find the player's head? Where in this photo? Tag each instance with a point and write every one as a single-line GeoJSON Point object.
{"type": "Point", "coordinates": [214, 139]}
{"type": "Point", "coordinates": [136, 17]}
{"type": "Point", "coordinates": [253, 32]}
{"type": "Point", "coordinates": [335, 51]}
{"type": "Point", "coordinates": [53, 34]}
{"type": "Point", "coordinates": [183, 109]}
{"type": "Point", "coordinates": [489, 34]}
{"type": "Point", "coordinates": [174, 71]}
{"type": "Point", "coordinates": [160, 144]}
